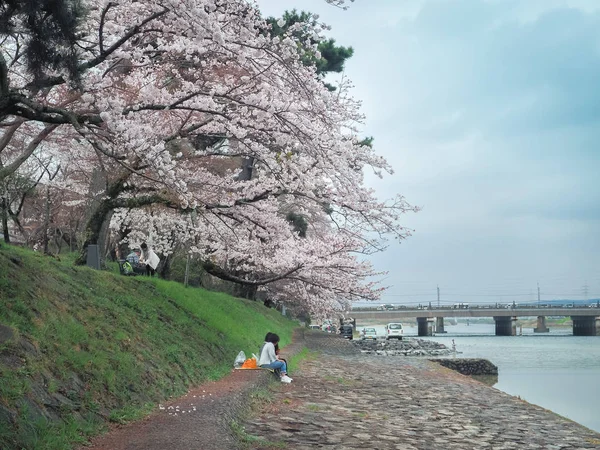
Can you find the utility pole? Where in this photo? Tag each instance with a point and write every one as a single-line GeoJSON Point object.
{"type": "Point", "coordinates": [438, 291]}
{"type": "Point", "coordinates": [538, 285]}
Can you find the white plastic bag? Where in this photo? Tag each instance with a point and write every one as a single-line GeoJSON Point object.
{"type": "Point", "coordinates": [239, 360]}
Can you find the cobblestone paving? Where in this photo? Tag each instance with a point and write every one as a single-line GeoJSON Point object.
{"type": "Point", "coordinates": [345, 400]}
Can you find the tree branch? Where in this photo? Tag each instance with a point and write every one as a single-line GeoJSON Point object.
{"type": "Point", "coordinates": [53, 81]}
{"type": "Point", "coordinates": [21, 106]}
{"type": "Point", "coordinates": [222, 274]}
{"type": "Point", "coordinates": [138, 202]}
{"type": "Point", "coordinates": [3, 77]}
{"type": "Point", "coordinates": [101, 28]}
{"type": "Point", "coordinates": [8, 134]}
{"type": "Point", "coordinates": [12, 167]}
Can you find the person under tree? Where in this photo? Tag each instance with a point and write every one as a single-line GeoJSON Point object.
{"type": "Point", "coordinates": [149, 259]}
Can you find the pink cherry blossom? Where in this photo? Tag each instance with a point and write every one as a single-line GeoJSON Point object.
{"type": "Point", "coordinates": [176, 95]}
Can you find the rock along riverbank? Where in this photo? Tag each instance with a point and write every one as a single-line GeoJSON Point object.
{"type": "Point", "coordinates": [345, 399]}
{"type": "Point", "coordinates": [405, 347]}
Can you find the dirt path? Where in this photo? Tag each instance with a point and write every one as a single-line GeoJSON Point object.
{"type": "Point", "coordinates": [200, 420]}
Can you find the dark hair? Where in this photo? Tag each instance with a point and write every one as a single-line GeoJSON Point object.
{"type": "Point", "coordinates": [273, 339]}
{"type": "Point", "coordinates": [144, 246]}
{"type": "Point", "coordinates": [268, 336]}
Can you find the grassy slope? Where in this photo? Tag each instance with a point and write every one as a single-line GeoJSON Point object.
{"type": "Point", "coordinates": [90, 346]}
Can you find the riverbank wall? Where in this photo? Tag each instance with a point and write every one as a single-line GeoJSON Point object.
{"type": "Point", "coordinates": [468, 366]}
{"type": "Point", "coordinates": [345, 399]}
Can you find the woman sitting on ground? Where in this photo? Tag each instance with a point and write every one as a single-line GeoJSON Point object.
{"type": "Point", "coordinates": [268, 359]}
{"type": "Point", "coordinates": [267, 339]}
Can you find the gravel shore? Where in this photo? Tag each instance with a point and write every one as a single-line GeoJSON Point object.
{"type": "Point", "coordinates": [347, 400]}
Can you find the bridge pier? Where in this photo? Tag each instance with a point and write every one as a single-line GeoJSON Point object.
{"type": "Point", "coordinates": [506, 326]}
{"type": "Point", "coordinates": [439, 325]}
{"type": "Point", "coordinates": [586, 325]}
{"type": "Point", "coordinates": [541, 325]}
{"type": "Point", "coordinates": [425, 326]}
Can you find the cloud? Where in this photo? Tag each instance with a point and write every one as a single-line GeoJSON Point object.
{"type": "Point", "coordinates": [500, 75]}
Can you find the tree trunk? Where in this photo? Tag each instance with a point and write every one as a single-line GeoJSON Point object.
{"type": "Point", "coordinates": [123, 247]}
{"type": "Point", "coordinates": [246, 169]}
{"type": "Point", "coordinates": [58, 239]}
{"type": "Point", "coordinates": [71, 231]}
{"type": "Point", "coordinates": [165, 267]}
{"type": "Point", "coordinates": [245, 291]}
{"type": "Point", "coordinates": [5, 220]}
{"type": "Point", "coordinates": [46, 220]}
{"type": "Point", "coordinates": [187, 271]}
{"type": "Point", "coordinates": [93, 230]}
{"type": "Point", "coordinates": [106, 244]}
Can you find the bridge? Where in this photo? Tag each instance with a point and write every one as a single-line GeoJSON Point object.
{"type": "Point", "coordinates": [586, 321]}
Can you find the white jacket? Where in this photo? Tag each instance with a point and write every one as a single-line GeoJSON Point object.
{"type": "Point", "coordinates": [267, 356]}
{"type": "Point", "coordinates": [150, 258]}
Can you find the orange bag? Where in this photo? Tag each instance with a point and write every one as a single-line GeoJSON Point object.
{"type": "Point", "coordinates": [250, 363]}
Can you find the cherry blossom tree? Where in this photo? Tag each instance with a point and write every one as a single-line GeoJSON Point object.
{"type": "Point", "coordinates": [40, 194]}
{"type": "Point", "coordinates": [173, 97]}
{"type": "Point", "coordinates": [339, 3]}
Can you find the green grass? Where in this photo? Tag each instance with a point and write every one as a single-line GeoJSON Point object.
{"type": "Point", "coordinates": [249, 441]}
{"type": "Point", "coordinates": [341, 380]}
{"type": "Point", "coordinates": [303, 355]}
{"type": "Point", "coordinates": [107, 348]}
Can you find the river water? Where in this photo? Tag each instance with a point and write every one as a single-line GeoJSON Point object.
{"type": "Point", "coordinates": [556, 370]}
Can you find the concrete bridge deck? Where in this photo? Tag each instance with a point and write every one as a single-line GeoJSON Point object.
{"type": "Point", "coordinates": [586, 321]}
{"type": "Point", "coordinates": [474, 312]}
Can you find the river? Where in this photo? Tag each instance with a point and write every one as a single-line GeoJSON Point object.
{"type": "Point", "coordinates": [556, 370]}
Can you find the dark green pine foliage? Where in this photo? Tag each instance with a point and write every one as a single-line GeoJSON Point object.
{"type": "Point", "coordinates": [52, 28]}
{"type": "Point", "coordinates": [298, 222]}
{"type": "Point", "coordinates": [368, 141]}
{"type": "Point", "coordinates": [332, 57]}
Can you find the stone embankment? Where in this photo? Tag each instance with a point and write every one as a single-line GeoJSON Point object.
{"type": "Point", "coordinates": [469, 366]}
{"type": "Point", "coordinates": [422, 347]}
{"type": "Point", "coordinates": [405, 347]}
{"type": "Point", "coordinates": [41, 404]}
{"type": "Point", "coordinates": [347, 400]}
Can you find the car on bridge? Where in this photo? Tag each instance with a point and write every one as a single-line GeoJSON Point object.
{"type": "Point", "coordinates": [460, 306]}
{"type": "Point", "coordinates": [388, 307]}
{"type": "Point", "coordinates": [394, 331]}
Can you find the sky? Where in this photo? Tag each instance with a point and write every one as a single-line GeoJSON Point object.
{"type": "Point", "coordinates": [489, 113]}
